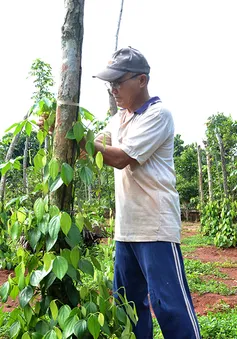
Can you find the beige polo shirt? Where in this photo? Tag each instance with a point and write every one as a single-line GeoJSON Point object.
{"type": "Point", "coordinates": [147, 203]}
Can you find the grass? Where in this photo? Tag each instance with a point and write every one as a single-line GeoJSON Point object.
{"type": "Point", "coordinates": [220, 325]}
{"type": "Point", "coordinates": [190, 244]}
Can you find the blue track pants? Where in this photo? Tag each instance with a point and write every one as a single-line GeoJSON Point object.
{"type": "Point", "coordinates": [156, 268]}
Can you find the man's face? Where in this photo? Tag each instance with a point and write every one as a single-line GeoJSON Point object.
{"type": "Point", "coordinates": [126, 89]}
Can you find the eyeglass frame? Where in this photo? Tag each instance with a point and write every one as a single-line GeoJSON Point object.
{"type": "Point", "coordinates": [116, 84]}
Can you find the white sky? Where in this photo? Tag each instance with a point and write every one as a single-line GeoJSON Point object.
{"type": "Point", "coordinates": [190, 45]}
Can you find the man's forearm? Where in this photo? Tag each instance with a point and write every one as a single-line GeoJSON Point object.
{"type": "Point", "coordinates": [112, 156]}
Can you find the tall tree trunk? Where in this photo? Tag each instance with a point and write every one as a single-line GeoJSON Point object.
{"type": "Point", "coordinates": [210, 183]}
{"type": "Point", "coordinates": [112, 103]}
{"type": "Point", "coordinates": [10, 151]}
{"type": "Point", "coordinates": [200, 175]}
{"type": "Point", "coordinates": [119, 24]}
{"type": "Point", "coordinates": [7, 158]}
{"type": "Point", "coordinates": [25, 158]}
{"type": "Point", "coordinates": [223, 163]}
{"type": "Point", "coordinates": [68, 94]}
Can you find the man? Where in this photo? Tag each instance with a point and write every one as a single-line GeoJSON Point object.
{"type": "Point", "coordinates": [148, 259]}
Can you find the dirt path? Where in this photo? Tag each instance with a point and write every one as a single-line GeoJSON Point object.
{"type": "Point", "coordinates": [210, 301]}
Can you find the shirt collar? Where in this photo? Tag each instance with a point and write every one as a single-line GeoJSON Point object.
{"type": "Point", "coordinates": [148, 103]}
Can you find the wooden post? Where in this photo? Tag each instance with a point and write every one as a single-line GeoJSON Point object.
{"type": "Point", "coordinates": [200, 175]}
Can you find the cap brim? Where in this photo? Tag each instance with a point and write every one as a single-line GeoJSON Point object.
{"type": "Point", "coordinates": [109, 74]}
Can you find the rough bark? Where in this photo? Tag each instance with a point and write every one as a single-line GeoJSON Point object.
{"type": "Point", "coordinates": [119, 24]}
{"type": "Point", "coordinates": [200, 175]}
{"type": "Point", "coordinates": [68, 94]}
{"type": "Point", "coordinates": [112, 103]}
{"type": "Point", "coordinates": [223, 163]}
{"type": "Point", "coordinates": [209, 175]}
{"type": "Point", "coordinates": [25, 158]}
{"type": "Point", "coordinates": [9, 154]}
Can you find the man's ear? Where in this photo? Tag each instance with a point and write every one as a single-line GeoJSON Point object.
{"type": "Point", "coordinates": [143, 80]}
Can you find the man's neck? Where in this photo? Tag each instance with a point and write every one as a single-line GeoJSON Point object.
{"type": "Point", "coordinates": [138, 103]}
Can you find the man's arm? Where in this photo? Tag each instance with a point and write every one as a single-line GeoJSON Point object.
{"type": "Point", "coordinates": [112, 156]}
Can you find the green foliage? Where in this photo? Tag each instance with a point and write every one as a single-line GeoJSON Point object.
{"type": "Point", "coordinates": [218, 220]}
{"type": "Point", "coordinates": [186, 167]}
{"type": "Point", "coordinates": [221, 325]}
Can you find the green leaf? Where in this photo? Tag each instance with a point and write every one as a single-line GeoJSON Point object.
{"type": "Point", "coordinates": [90, 307]}
{"type": "Point", "coordinates": [86, 267]}
{"type": "Point", "coordinates": [54, 227]}
{"type": "Point", "coordinates": [17, 165]}
{"type": "Point", "coordinates": [58, 182]}
{"type": "Point", "coordinates": [28, 128]}
{"type": "Point", "coordinates": [79, 220]}
{"type": "Point", "coordinates": [78, 131]}
{"type": "Point", "coordinates": [94, 326]}
{"type": "Point", "coordinates": [96, 263]}
{"type": "Point", "coordinates": [66, 173]}
{"type": "Point", "coordinates": [99, 160]}
{"type": "Point", "coordinates": [63, 314]}
{"type": "Point", "coordinates": [39, 209]}
{"type": "Point", "coordinates": [47, 259]}
{"type": "Point", "coordinates": [36, 278]}
{"type": "Point", "coordinates": [101, 319]}
{"type": "Point", "coordinates": [28, 313]}
{"type": "Point", "coordinates": [42, 327]}
{"type": "Point", "coordinates": [5, 168]}
{"type": "Point", "coordinates": [36, 335]}
{"type": "Point", "coordinates": [90, 148]}
{"type": "Point", "coordinates": [50, 335]}
{"type": "Point", "coordinates": [40, 136]}
{"type": "Point", "coordinates": [86, 114]}
{"type": "Point", "coordinates": [53, 210]}
{"type": "Point", "coordinates": [34, 237]}
{"type": "Point", "coordinates": [26, 336]}
{"type": "Point", "coordinates": [60, 267]}
{"type": "Point", "coordinates": [80, 329]}
{"type": "Point", "coordinates": [86, 175]}
{"type": "Point", "coordinates": [11, 127]}
{"type": "Point", "coordinates": [4, 291]}
{"type": "Point", "coordinates": [75, 256]}
{"type": "Point", "coordinates": [69, 326]}
{"type": "Point", "coordinates": [25, 296]}
{"type": "Point", "coordinates": [74, 236]}
{"type": "Point", "coordinates": [70, 135]}
{"type": "Point", "coordinates": [50, 243]}
{"type": "Point", "coordinates": [15, 329]}
{"type": "Point", "coordinates": [65, 222]}
{"type": "Point", "coordinates": [58, 332]}
{"type": "Point", "coordinates": [54, 168]}
{"type": "Point", "coordinates": [54, 309]}
{"type": "Point", "coordinates": [90, 135]}
{"type": "Point", "coordinates": [16, 231]}
{"type": "Point", "coordinates": [19, 127]}
{"type": "Point", "coordinates": [21, 215]}
{"type": "Point", "coordinates": [43, 224]}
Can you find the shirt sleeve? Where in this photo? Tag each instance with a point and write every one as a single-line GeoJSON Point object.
{"type": "Point", "coordinates": [149, 132]}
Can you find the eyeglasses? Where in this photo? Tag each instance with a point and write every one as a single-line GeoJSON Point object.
{"type": "Point", "coordinates": [116, 84]}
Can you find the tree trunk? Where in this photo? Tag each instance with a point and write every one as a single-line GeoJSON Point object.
{"type": "Point", "coordinates": [119, 24]}
{"type": "Point", "coordinates": [223, 163]}
{"type": "Point", "coordinates": [210, 183]}
{"type": "Point", "coordinates": [7, 158]}
{"type": "Point", "coordinates": [200, 175]}
{"type": "Point", "coordinates": [68, 95]}
{"type": "Point", "coordinates": [25, 158]}
{"type": "Point", "coordinates": [112, 103]}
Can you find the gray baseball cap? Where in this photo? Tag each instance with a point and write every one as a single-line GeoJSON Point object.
{"type": "Point", "coordinates": [123, 61]}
